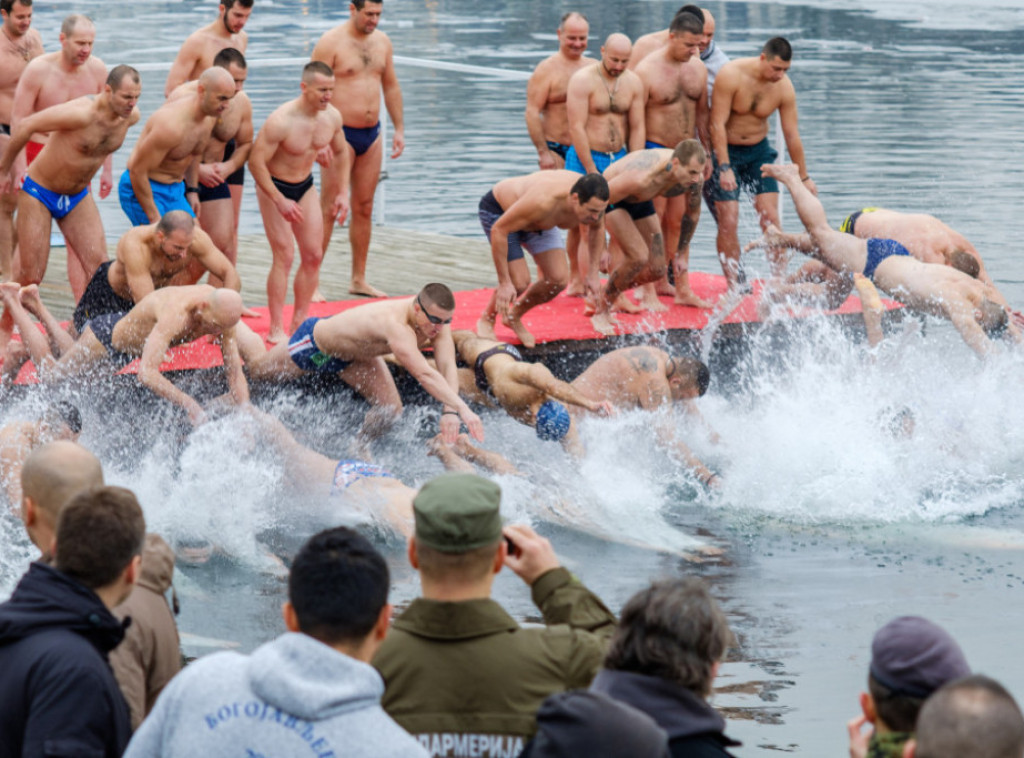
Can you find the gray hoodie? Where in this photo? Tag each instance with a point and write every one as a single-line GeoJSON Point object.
{"type": "Point", "coordinates": [293, 696]}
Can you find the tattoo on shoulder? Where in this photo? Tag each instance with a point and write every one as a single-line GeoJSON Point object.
{"type": "Point", "coordinates": [641, 361]}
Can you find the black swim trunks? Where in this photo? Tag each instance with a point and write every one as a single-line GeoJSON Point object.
{"type": "Point", "coordinates": [5, 129]}
{"type": "Point", "coordinates": [103, 328]}
{"type": "Point", "coordinates": [294, 191]}
{"type": "Point", "coordinates": [99, 298]}
{"type": "Point", "coordinates": [636, 211]}
{"type": "Point", "coordinates": [478, 368]}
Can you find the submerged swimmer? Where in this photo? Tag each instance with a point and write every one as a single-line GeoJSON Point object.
{"type": "Point", "coordinates": [363, 485]}
{"type": "Point", "coordinates": [61, 421]}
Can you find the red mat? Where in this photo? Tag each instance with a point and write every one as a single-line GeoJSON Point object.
{"type": "Point", "coordinates": [561, 319]}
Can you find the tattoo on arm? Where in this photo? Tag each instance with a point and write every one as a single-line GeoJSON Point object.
{"type": "Point", "coordinates": [686, 230]}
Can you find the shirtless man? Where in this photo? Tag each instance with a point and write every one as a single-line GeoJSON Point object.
{"type": "Point", "coordinates": [282, 167]}
{"type": "Point", "coordinates": [21, 45]}
{"type": "Point", "coordinates": [943, 291]}
{"type": "Point", "coordinates": [648, 43]}
{"type": "Point", "coordinates": [523, 212]}
{"type": "Point", "coordinates": [169, 149]}
{"type": "Point", "coordinates": [605, 107]}
{"type": "Point", "coordinates": [352, 344]}
{"type": "Point", "coordinates": [199, 49]}
{"type": "Point", "coordinates": [167, 253]}
{"type": "Point", "coordinates": [747, 92]}
{"type": "Point", "coordinates": [528, 392]}
{"type": "Point", "coordinates": [649, 379]}
{"type": "Point", "coordinates": [675, 87]}
{"type": "Point", "coordinates": [361, 485]}
{"type": "Point", "coordinates": [83, 133]}
{"type": "Point", "coordinates": [165, 317]}
{"type": "Point", "coordinates": [363, 63]}
{"type": "Point", "coordinates": [54, 79]}
{"type": "Point", "coordinates": [633, 184]}
{"type": "Point", "coordinates": [61, 421]}
{"type": "Point", "coordinates": [546, 117]}
{"type": "Point", "coordinates": [222, 169]}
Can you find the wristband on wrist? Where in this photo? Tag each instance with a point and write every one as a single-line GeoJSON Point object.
{"type": "Point", "coordinates": [724, 167]}
{"type": "Point", "coordinates": [805, 178]}
{"type": "Point", "coordinates": [449, 413]}
{"type": "Point", "coordinates": [191, 189]}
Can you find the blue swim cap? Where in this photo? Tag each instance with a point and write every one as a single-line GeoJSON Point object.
{"type": "Point", "coordinates": [552, 421]}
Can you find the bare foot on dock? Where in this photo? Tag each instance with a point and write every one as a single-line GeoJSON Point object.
{"type": "Point", "coordinates": [516, 325]}
{"type": "Point", "coordinates": [603, 323]}
{"type": "Point", "coordinates": [318, 297]}
{"type": "Point", "coordinates": [10, 292]}
{"type": "Point", "coordinates": [664, 289]}
{"type": "Point", "coordinates": [576, 288]}
{"type": "Point", "coordinates": [485, 327]}
{"type": "Point", "coordinates": [689, 297]}
{"type": "Point", "coordinates": [276, 336]}
{"type": "Point", "coordinates": [364, 289]}
{"type": "Point", "coordinates": [30, 299]}
{"type": "Point", "coordinates": [249, 313]}
{"type": "Point", "coordinates": [623, 304]}
{"type": "Point", "coordinates": [649, 300]}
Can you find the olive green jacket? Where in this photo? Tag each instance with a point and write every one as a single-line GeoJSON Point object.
{"type": "Point", "coordinates": [466, 679]}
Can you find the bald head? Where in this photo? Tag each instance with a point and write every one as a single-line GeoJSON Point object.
{"type": "Point", "coordinates": [74, 23]}
{"type": "Point", "coordinates": [618, 44]}
{"type": "Point", "coordinates": [56, 472]}
{"type": "Point", "coordinates": [709, 29]}
{"type": "Point", "coordinates": [225, 307]}
{"type": "Point", "coordinates": [216, 78]}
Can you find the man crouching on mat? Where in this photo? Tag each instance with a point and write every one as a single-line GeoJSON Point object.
{"type": "Point", "coordinates": [352, 344]}
{"type": "Point", "coordinates": [970, 305]}
{"type": "Point", "coordinates": [528, 392]}
{"type": "Point", "coordinates": [165, 317]}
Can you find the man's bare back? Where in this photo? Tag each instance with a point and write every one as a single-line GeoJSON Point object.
{"type": "Point", "coordinates": [544, 196]}
{"type": "Point", "coordinates": [927, 238]}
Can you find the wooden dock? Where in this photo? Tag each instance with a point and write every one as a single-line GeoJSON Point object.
{"type": "Point", "coordinates": [400, 263]}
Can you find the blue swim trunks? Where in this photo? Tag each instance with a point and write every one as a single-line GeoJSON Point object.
{"type": "Point", "coordinates": [361, 138]}
{"type": "Point", "coordinates": [746, 162]}
{"type": "Point", "coordinates": [58, 205]}
{"type": "Point", "coordinates": [168, 197]}
{"type": "Point", "coordinates": [878, 251]}
{"type": "Point", "coordinates": [349, 472]}
{"type": "Point", "coordinates": [654, 145]}
{"type": "Point", "coordinates": [490, 211]}
{"type": "Point", "coordinates": [307, 356]}
{"type": "Point", "coordinates": [601, 160]}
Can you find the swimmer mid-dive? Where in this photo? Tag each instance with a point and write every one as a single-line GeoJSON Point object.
{"type": "Point", "coordinates": [362, 485]}
{"type": "Point", "coordinates": [970, 305]}
{"type": "Point", "coordinates": [528, 392]}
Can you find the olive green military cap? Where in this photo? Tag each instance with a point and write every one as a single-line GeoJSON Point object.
{"type": "Point", "coordinates": [456, 513]}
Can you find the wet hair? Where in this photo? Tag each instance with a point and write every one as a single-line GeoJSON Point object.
{"type": "Point", "coordinates": [895, 709]}
{"type": "Point", "coordinates": [358, 4]}
{"type": "Point", "coordinates": [66, 413]}
{"type": "Point", "coordinates": [118, 73]}
{"type": "Point", "coordinates": [338, 585]}
{"type": "Point", "coordinates": [438, 294]}
{"type": "Point", "coordinates": [57, 471]}
{"type": "Point", "coordinates": [686, 22]}
{"type": "Point", "coordinates": [229, 4]}
{"type": "Point", "coordinates": [778, 47]}
{"type": "Point", "coordinates": [994, 319]}
{"type": "Point", "coordinates": [693, 10]}
{"type": "Point", "coordinates": [692, 370]}
{"type": "Point", "coordinates": [70, 23]}
{"type": "Point", "coordinates": [674, 630]}
{"type": "Point", "coordinates": [686, 150]}
{"type": "Point", "coordinates": [176, 221]}
{"type": "Point", "coordinates": [228, 56]}
{"type": "Point", "coordinates": [99, 532]}
{"type": "Point", "coordinates": [316, 67]}
{"type": "Point", "coordinates": [964, 261]}
{"type": "Point", "coordinates": [972, 716]}
{"type": "Point", "coordinates": [470, 566]}
{"type": "Point", "coordinates": [570, 14]}
{"type": "Point", "coordinates": [590, 186]}
{"type": "Point", "coordinates": [8, 5]}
